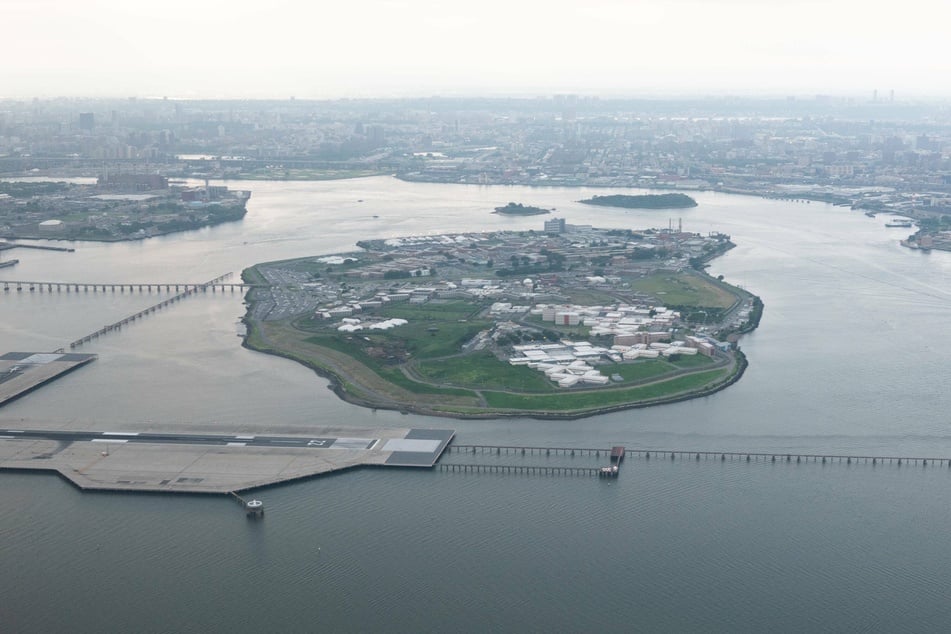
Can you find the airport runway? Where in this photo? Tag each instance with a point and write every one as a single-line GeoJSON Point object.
{"type": "Point", "coordinates": [189, 439]}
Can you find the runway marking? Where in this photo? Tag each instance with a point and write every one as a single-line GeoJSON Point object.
{"type": "Point", "coordinates": [236, 444]}
{"type": "Point", "coordinates": [374, 443]}
{"type": "Point", "coordinates": [244, 437]}
{"type": "Point", "coordinates": [15, 431]}
{"type": "Point", "coordinates": [119, 433]}
{"type": "Point", "coordinates": [112, 440]}
{"type": "Point", "coordinates": [7, 437]}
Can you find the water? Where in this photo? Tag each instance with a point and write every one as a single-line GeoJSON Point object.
{"type": "Point", "coordinates": [849, 358]}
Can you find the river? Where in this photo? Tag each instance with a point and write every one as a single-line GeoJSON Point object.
{"type": "Point", "coordinates": [849, 358]}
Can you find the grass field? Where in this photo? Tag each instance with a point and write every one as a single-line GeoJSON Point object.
{"type": "Point", "coordinates": [562, 402]}
{"type": "Point", "coordinates": [391, 374]}
{"type": "Point", "coordinates": [483, 370]}
{"type": "Point", "coordinates": [684, 289]}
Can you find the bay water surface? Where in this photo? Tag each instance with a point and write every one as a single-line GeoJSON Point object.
{"type": "Point", "coordinates": [851, 357]}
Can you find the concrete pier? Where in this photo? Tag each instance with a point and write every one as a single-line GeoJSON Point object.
{"type": "Point", "coordinates": [188, 460]}
{"type": "Point", "coordinates": [23, 372]}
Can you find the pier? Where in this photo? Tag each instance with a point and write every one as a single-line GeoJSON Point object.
{"type": "Point", "coordinates": [4, 246]}
{"type": "Point", "coordinates": [252, 508]}
{"type": "Point", "coordinates": [526, 469]}
{"type": "Point", "coordinates": [23, 372]}
{"type": "Point", "coordinates": [613, 470]}
{"type": "Point", "coordinates": [619, 453]}
{"type": "Point", "coordinates": [189, 290]}
{"type": "Point", "coordinates": [141, 287]}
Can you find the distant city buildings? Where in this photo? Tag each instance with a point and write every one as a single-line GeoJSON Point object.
{"type": "Point", "coordinates": [878, 153]}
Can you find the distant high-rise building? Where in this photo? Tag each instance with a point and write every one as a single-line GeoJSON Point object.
{"type": "Point", "coordinates": [375, 135]}
{"type": "Point", "coordinates": [87, 121]}
{"type": "Point", "coordinates": [555, 225]}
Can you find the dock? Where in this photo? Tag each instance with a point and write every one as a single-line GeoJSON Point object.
{"type": "Point", "coordinates": [613, 470]}
{"type": "Point", "coordinates": [23, 372]}
{"type": "Point", "coordinates": [144, 458]}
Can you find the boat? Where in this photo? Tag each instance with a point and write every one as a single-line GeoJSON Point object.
{"type": "Point", "coordinates": [899, 223]}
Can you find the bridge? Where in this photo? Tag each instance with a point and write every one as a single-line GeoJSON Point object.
{"type": "Point", "coordinates": [664, 454]}
{"type": "Point", "coordinates": [46, 286]}
{"type": "Point", "coordinates": [189, 290]}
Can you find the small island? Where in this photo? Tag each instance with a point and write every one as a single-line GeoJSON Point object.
{"type": "Point", "coordinates": [647, 201]}
{"type": "Point", "coordinates": [511, 323]}
{"type": "Point", "coordinates": [518, 209]}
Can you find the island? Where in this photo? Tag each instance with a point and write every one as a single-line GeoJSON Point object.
{"type": "Point", "coordinates": [511, 323]}
{"type": "Point", "coordinates": [646, 201]}
{"type": "Point", "coordinates": [119, 206]}
{"type": "Point", "coordinates": [518, 209]}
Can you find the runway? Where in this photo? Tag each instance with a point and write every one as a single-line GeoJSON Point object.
{"type": "Point", "coordinates": [170, 461]}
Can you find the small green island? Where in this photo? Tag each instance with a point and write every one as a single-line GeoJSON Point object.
{"type": "Point", "coordinates": [518, 209]}
{"type": "Point", "coordinates": [510, 323]}
{"type": "Point", "coordinates": [646, 201]}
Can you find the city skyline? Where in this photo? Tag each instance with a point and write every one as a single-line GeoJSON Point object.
{"type": "Point", "coordinates": [394, 48]}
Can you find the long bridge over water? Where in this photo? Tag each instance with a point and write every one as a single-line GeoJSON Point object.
{"type": "Point", "coordinates": [189, 289]}
{"type": "Point", "coordinates": [47, 286]}
{"type": "Point", "coordinates": [471, 452]}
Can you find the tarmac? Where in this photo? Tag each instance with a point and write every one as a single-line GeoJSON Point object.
{"type": "Point", "coordinates": [156, 460]}
{"type": "Point", "coordinates": [23, 372]}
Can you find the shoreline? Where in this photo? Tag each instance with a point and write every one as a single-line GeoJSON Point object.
{"type": "Point", "coordinates": [336, 385]}
{"type": "Point", "coordinates": [53, 238]}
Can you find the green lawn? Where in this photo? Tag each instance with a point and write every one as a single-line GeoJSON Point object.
{"type": "Point", "coordinates": [640, 369]}
{"type": "Point", "coordinates": [683, 289]}
{"type": "Point", "coordinates": [390, 373]}
{"type": "Point", "coordinates": [695, 361]}
{"type": "Point", "coordinates": [432, 311]}
{"type": "Point", "coordinates": [560, 402]}
{"type": "Point", "coordinates": [483, 370]}
{"type": "Point", "coordinates": [422, 344]}
{"type": "Point", "coordinates": [589, 296]}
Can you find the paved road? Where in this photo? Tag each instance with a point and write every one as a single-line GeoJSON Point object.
{"type": "Point", "coordinates": [189, 439]}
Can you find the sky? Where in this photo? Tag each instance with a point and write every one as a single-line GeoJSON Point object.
{"type": "Point", "coordinates": [398, 48]}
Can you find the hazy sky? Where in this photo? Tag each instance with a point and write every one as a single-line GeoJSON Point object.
{"type": "Point", "coordinates": [348, 48]}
